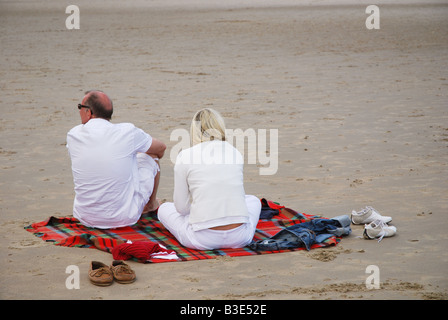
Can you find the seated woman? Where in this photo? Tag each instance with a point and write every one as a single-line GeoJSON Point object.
{"type": "Point", "coordinates": [210, 209]}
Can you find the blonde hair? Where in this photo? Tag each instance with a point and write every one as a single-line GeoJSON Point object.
{"type": "Point", "coordinates": [207, 125]}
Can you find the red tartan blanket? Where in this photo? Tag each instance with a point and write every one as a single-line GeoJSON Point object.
{"type": "Point", "coordinates": [69, 232]}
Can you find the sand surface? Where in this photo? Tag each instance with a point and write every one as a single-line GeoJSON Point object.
{"type": "Point", "coordinates": [362, 119]}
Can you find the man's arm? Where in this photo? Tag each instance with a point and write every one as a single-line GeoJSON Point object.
{"type": "Point", "coordinates": [157, 148]}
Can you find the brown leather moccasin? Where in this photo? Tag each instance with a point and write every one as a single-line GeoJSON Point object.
{"type": "Point", "coordinates": [100, 274]}
{"type": "Point", "coordinates": [122, 272]}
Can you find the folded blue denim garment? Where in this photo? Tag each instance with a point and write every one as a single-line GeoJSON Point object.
{"type": "Point", "coordinates": [286, 239]}
{"type": "Point", "coordinates": [305, 234]}
{"type": "Point", "coordinates": [344, 223]}
{"type": "Point", "coordinates": [338, 226]}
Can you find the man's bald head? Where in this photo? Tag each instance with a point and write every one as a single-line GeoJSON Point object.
{"type": "Point", "coordinates": [100, 104]}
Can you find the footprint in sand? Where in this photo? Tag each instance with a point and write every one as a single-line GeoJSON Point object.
{"type": "Point", "coordinates": [21, 244]}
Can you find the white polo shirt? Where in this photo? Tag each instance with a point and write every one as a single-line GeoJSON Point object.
{"type": "Point", "coordinates": [105, 172]}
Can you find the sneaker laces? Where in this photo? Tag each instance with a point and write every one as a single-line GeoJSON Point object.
{"type": "Point", "coordinates": [122, 269]}
{"type": "Point", "coordinates": [361, 212]}
{"type": "Point", "coordinates": [100, 271]}
{"type": "Point", "coordinates": [381, 224]}
{"type": "Point", "coordinates": [375, 213]}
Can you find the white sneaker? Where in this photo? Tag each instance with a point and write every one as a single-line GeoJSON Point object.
{"type": "Point", "coordinates": [378, 229]}
{"type": "Point", "coordinates": [368, 215]}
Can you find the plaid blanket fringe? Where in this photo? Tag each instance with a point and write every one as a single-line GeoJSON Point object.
{"type": "Point", "coordinates": [69, 232]}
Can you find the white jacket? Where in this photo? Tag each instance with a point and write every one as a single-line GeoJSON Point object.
{"type": "Point", "coordinates": [208, 185]}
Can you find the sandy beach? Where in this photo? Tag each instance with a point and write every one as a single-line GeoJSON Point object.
{"type": "Point", "coordinates": [362, 120]}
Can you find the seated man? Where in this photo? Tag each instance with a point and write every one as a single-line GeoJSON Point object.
{"type": "Point", "coordinates": [115, 166]}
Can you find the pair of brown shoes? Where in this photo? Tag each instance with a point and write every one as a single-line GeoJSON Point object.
{"type": "Point", "coordinates": [102, 275]}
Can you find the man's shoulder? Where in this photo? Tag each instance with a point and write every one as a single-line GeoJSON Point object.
{"type": "Point", "coordinates": [130, 128]}
{"type": "Point", "coordinates": [127, 126]}
{"type": "Point", "coordinates": [74, 129]}
{"type": "Point", "coordinates": [124, 125]}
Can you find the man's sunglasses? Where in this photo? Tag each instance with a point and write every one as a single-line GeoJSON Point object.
{"type": "Point", "coordinates": [82, 106]}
